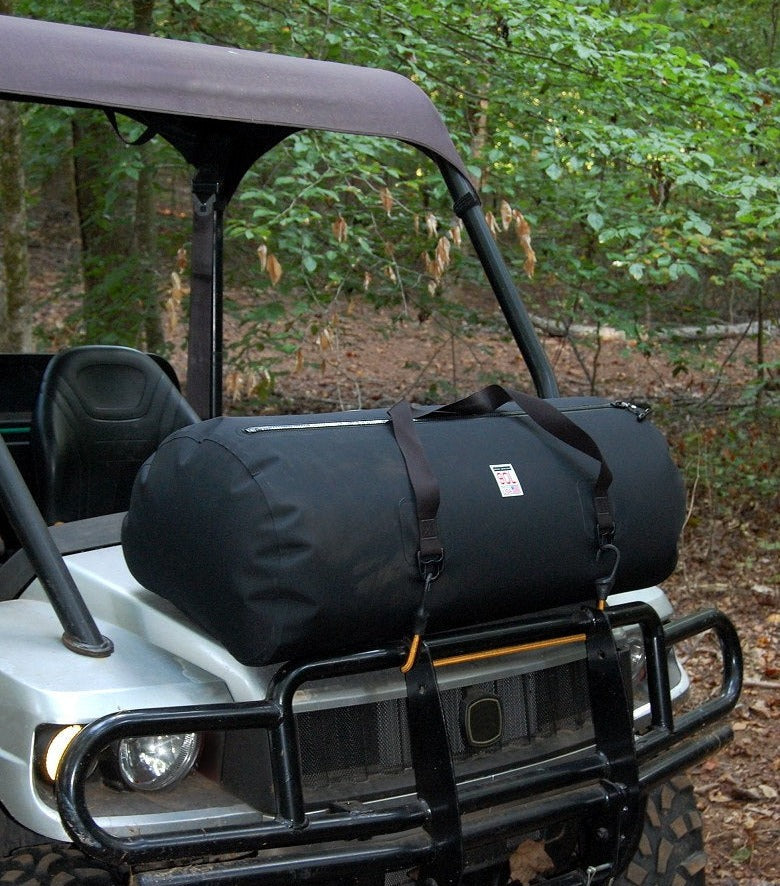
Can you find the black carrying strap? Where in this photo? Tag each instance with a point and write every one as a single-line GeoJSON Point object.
{"type": "Point", "coordinates": [425, 486]}
{"type": "Point", "coordinates": [553, 421]}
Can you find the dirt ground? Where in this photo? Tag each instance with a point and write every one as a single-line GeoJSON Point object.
{"type": "Point", "coordinates": [371, 358]}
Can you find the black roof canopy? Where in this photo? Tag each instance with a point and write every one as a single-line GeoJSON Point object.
{"type": "Point", "coordinates": [196, 95]}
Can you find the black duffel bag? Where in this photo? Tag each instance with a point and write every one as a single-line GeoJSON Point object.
{"type": "Point", "coordinates": [299, 536]}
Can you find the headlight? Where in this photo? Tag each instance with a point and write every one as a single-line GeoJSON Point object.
{"type": "Point", "coordinates": [51, 744]}
{"type": "Point", "coordinates": [636, 652]}
{"type": "Point", "coordinates": [154, 762]}
{"type": "Point", "coordinates": [631, 639]}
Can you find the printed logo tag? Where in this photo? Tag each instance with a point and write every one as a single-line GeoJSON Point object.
{"type": "Point", "coordinates": [507, 480]}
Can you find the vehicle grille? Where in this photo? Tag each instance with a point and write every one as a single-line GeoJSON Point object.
{"type": "Point", "coordinates": [363, 750]}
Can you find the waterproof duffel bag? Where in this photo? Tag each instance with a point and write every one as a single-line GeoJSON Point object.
{"type": "Point", "coordinates": [299, 536]}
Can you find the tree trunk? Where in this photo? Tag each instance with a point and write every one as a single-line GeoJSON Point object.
{"type": "Point", "coordinates": [110, 314]}
{"type": "Point", "coordinates": [145, 249]}
{"type": "Point", "coordinates": [15, 308]}
{"type": "Point", "coordinates": [117, 227]}
{"type": "Point", "coordinates": [145, 228]}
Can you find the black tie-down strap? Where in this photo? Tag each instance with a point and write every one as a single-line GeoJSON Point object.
{"type": "Point", "coordinates": [434, 773]}
{"type": "Point", "coordinates": [610, 837]}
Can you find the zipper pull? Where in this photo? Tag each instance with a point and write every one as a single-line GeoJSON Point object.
{"type": "Point", "coordinates": [640, 410]}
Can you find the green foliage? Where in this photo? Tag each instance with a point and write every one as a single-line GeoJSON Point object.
{"type": "Point", "coordinates": [729, 460]}
{"type": "Point", "coordinates": [639, 140]}
{"type": "Point", "coordinates": [648, 170]}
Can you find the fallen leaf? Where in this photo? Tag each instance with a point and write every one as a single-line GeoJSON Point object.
{"type": "Point", "coordinates": [528, 861]}
{"type": "Point", "coordinates": [760, 707]}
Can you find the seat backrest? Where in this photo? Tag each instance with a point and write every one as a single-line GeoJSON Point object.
{"type": "Point", "coordinates": [100, 412]}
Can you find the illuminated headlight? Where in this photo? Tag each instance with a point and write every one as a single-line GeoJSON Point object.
{"type": "Point", "coordinates": [154, 762]}
{"type": "Point", "coordinates": [51, 745]}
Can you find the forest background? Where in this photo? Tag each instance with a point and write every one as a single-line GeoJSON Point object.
{"type": "Point", "coordinates": [626, 154]}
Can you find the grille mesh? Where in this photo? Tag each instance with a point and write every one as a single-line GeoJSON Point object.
{"type": "Point", "coordinates": [362, 749]}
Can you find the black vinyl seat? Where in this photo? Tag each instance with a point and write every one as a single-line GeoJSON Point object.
{"type": "Point", "coordinates": [100, 412]}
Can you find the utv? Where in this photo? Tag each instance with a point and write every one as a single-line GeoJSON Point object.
{"type": "Point", "coordinates": [485, 744]}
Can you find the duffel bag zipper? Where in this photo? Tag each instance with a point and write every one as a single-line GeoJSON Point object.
{"type": "Point", "coordinates": [309, 426]}
{"type": "Point", "coordinates": [641, 411]}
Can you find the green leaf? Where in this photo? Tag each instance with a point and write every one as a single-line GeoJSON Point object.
{"type": "Point", "coordinates": [596, 220]}
{"type": "Point", "coordinates": [554, 171]}
{"type": "Point", "coordinates": [704, 158]}
{"type": "Point", "coordinates": [636, 270]}
{"type": "Point", "coordinates": [699, 224]}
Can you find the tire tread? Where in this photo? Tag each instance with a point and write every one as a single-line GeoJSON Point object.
{"type": "Point", "coordinates": [55, 865]}
{"type": "Point", "coordinates": [671, 848]}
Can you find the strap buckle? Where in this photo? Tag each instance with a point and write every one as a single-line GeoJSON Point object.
{"type": "Point", "coordinates": [430, 566]}
{"type": "Point", "coordinates": [605, 584]}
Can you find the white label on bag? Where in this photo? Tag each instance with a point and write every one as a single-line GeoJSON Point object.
{"type": "Point", "coordinates": [507, 480]}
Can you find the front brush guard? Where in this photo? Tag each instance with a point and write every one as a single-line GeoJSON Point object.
{"type": "Point", "coordinates": [602, 789]}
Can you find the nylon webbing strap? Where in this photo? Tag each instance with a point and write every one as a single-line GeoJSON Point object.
{"type": "Point", "coordinates": [425, 487]}
{"type": "Point", "coordinates": [554, 422]}
{"type": "Point", "coordinates": [146, 136]}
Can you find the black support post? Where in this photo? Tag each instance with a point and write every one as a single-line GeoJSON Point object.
{"type": "Point", "coordinates": [204, 365]}
{"type": "Point", "coordinates": [81, 634]}
{"type": "Point", "coordinates": [468, 207]}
